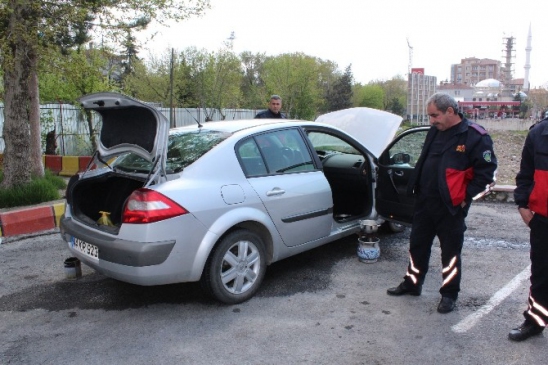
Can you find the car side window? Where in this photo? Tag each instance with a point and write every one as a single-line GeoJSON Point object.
{"type": "Point", "coordinates": [278, 152]}
{"type": "Point", "coordinates": [406, 150]}
{"type": "Point", "coordinates": [250, 158]}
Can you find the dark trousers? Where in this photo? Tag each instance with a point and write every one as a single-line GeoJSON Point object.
{"type": "Point", "coordinates": [432, 218]}
{"type": "Point", "coordinates": [538, 295]}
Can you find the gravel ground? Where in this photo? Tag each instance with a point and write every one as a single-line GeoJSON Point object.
{"type": "Point", "coordinates": [508, 146]}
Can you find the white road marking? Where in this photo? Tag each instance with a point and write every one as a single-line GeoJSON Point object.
{"type": "Point", "coordinates": [495, 300]}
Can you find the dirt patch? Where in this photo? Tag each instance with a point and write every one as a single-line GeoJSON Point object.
{"type": "Point", "coordinates": [508, 146]}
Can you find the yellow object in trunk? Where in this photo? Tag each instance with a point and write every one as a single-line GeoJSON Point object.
{"type": "Point", "coordinates": [105, 219]}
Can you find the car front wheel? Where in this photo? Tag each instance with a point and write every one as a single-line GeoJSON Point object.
{"type": "Point", "coordinates": [235, 268]}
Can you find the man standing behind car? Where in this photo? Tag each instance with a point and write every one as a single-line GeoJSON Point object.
{"type": "Point", "coordinates": [457, 163]}
{"type": "Point", "coordinates": [531, 197]}
{"type": "Point", "coordinates": [274, 109]}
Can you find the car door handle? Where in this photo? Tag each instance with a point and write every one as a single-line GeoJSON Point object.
{"type": "Point", "coordinates": [398, 173]}
{"type": "Point", "coordinates": [275, 191]}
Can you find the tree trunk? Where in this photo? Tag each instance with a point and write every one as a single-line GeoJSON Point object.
{"type": "Point", "coordinates": [36, 166]}
{"type": "Point", "coordinates": [92, 137]}
{"type": "Point", "coordinates": [17, 71]}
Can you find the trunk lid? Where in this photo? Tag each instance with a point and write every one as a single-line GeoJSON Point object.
{"type": "Point", "coordinates": [129, 125]}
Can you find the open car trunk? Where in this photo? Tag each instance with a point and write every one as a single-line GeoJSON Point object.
{"type": "Point", "coordinates": [104, 193]}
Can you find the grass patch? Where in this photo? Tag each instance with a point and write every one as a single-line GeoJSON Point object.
{"type": "Point", "coordinates": [39, 190]}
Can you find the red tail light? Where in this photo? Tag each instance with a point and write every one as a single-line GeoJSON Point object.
{"type": "Point", "coordinates": [147, 206]}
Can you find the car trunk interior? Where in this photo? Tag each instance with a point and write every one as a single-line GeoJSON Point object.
{"type": "Point", "coordinates": [106, 193]}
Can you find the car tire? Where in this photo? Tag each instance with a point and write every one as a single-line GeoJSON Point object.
{"type": "Point", "coordinates": [395, 227]}
{"type": "Point", "coordinates": [235, 269]}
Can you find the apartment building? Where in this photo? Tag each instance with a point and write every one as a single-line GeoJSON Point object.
{"type": "Point", "coordinates": [419, 88]}
{"type": "Point", "coordinates": [472, 70]}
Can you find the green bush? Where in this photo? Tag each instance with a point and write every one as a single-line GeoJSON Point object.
{"type": "Point", "coordinates": [39, 190]}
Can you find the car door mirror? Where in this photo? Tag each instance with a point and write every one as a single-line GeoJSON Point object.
{"type": "Point", "coordinates": [400, 159]}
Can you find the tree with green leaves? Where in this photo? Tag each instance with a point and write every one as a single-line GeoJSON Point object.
{"type": "Point", "coordinates": [215, 80]}
{"type": "Point", "coordinates": [252, 84]}
{"type": "Point", "coordinates": [150, 80]}
{"type": "Point", "coordinates": [79, 72]}
{"type": "Point", "coordinates": [27, 27]}
{"type": "Point", "coordinates": [395, 95]}
{"type": "Point", "coordinates": [370, 95]}
{"type": "Point", "coordinates": [295, 78]}
{"type": "Point", "coordinates": [340, 96]}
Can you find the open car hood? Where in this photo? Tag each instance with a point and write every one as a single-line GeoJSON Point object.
{"type": "Point", "coordinates": [128, 125]}
{"type": "Point", "coordinates": [373, 128]}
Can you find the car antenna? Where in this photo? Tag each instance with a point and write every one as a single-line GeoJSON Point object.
{"type": "Point", "coordinates": [193, 117]}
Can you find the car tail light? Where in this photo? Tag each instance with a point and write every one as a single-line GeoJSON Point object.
{"type": "Point", "coordinates": [147, 206]}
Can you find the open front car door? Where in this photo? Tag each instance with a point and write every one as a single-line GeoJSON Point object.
{"type": "Point", "coordinates": [396, 165]}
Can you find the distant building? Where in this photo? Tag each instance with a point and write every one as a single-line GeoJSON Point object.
{"type": "Point", "coordinates": [460, 92]}
{"type": "Point", "coordinates": [516, 85]}
{"type": "Point", "coordinates": [472, 70]}
{"type": "Point", "coordinates": [419, 88]}
{"type": "Point", "coordinates": [489, 100]}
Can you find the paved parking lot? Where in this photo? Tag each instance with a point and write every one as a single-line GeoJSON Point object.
{"type": "Point", "coordinates": [320, 307]}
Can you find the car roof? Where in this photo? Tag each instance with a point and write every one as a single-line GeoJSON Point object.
{"type": "Point", "coordinates": [374, 129]}
{"type": "Point", "coordinates": [233, 126]}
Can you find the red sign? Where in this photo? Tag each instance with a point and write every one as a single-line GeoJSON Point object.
{"type": "Point", "coordinates": [417, 71]}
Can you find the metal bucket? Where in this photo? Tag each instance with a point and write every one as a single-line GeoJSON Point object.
{"type": "Point", "coordinates": [73, 268]}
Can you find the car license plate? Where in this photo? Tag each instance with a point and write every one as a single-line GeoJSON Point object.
{"type": "Point", "coordinates": [86, 248]}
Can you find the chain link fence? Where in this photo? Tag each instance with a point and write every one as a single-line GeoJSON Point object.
{"type": "Point", "coordinates": [68, 126]}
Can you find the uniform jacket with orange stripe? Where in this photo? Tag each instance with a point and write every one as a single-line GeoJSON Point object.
{"type": "Point", "coordinates": [468, 164]}
{"type": "Point", "coordinates": [532, 178]}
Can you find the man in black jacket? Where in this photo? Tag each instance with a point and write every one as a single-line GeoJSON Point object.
{"type": "Point", "coordinates": [531, 197]}
{"type": "Point", "coordinates": [274, 109]}
{"type": "Point", "coordinates": [457, 164]}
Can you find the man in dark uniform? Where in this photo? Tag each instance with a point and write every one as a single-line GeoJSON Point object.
{"type": "Point", "coordinates": [457, 164]}
{"type": "Point", "coordinates": [531, 197]}
{"type": "Point", "coordinates": [274, 109]}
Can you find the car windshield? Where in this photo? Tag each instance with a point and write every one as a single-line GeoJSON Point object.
{"type": "Point", "coordinates": [183, 149]}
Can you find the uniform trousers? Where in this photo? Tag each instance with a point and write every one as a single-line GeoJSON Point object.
{"type": "Point", "coordinates": [432, 218]}
{"type": "Point", "coordinates": [538, 292]}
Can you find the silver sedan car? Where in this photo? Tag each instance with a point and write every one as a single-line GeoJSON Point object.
{"type": "Point", "coordinates": [218, 202]}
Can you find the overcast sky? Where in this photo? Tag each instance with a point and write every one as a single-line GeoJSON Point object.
{"type": "Point", "coordinates": [372, 35]}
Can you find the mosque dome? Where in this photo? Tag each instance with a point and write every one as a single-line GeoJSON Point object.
{"type": "Point", "coordinates": [521, 94]}
{"type": "Point", "coordinates": [489, 83]}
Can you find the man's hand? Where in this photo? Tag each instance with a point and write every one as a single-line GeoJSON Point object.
{"type": "Point", "coordinates": [526, 215]}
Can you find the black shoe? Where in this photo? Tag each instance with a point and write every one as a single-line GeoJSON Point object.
{"type": "Point", "coordinates": [446, 305]}
{"type": "Point", "coordinates": [526, 330]}
{"type": "Point", "coordinates": [403, 289]}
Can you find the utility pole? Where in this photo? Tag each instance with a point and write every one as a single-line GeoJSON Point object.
{"type": "Point", "coordinates": [171, 110]}
{"type": "Point", "coordinates": [410, 65]}
{"type": "Point", "coordinates": [410, 85]}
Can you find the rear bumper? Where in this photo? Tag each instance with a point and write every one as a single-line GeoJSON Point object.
{"type": "Point", "coordinates": [117, 251]}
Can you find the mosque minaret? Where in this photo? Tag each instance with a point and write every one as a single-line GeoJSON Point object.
{"type": "Point", "coordinates": [527, 62]}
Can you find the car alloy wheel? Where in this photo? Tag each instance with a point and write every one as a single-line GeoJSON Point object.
{"type": "Point", "coordinates": [236, 267]}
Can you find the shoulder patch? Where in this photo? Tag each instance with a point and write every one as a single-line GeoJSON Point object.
{"type": "Point", "coordinates": [478, 128]}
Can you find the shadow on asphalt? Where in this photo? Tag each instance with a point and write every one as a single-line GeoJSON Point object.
{"type": "Point", "coordinates": [307, 272]}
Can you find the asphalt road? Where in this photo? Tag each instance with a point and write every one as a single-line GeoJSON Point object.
{"type": "Point", "coordinates": [320, 307]}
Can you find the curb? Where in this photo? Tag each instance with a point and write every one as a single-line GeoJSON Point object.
{"type": "Point", "coordinates": [22, 223]}
{"type": "Point", "coordinates": [63, 165]}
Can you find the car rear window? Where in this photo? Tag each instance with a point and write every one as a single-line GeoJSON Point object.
{"type": "Point", "coordinates": [183, 149]}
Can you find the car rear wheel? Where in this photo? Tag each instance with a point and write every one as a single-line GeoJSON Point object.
{"type": "Point", "coordinates": [235, 268]}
